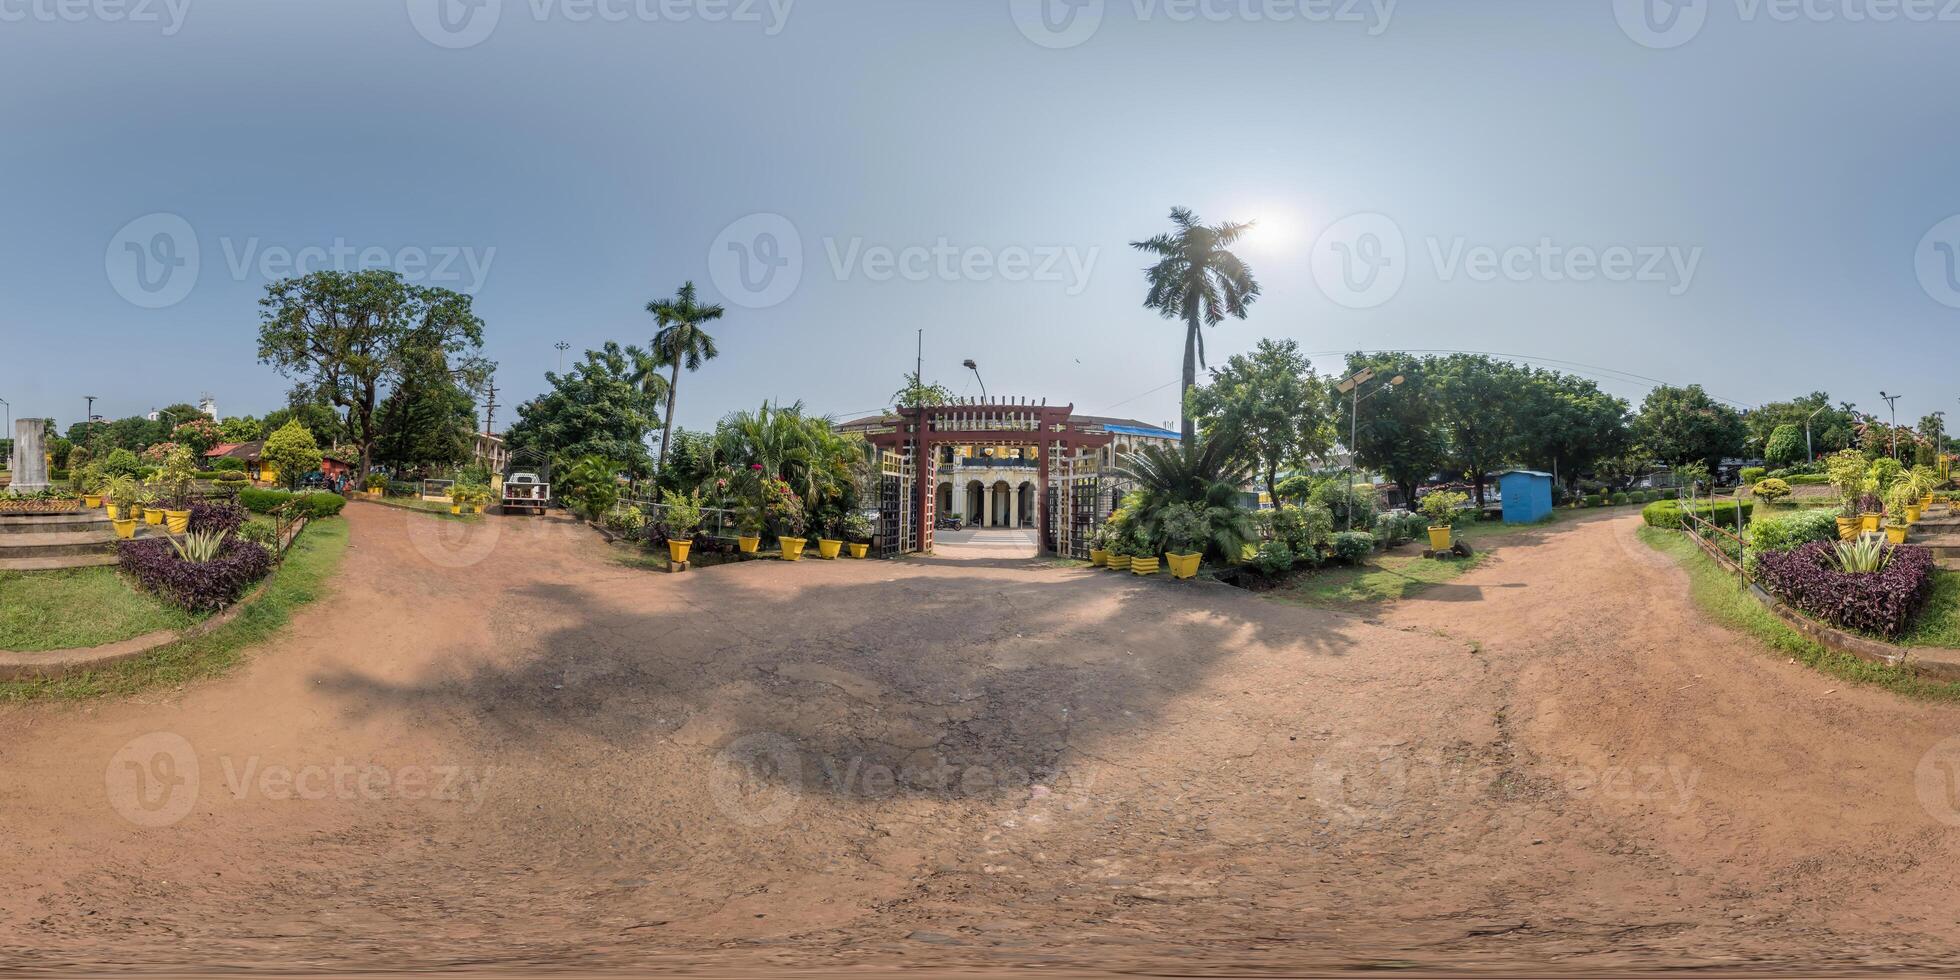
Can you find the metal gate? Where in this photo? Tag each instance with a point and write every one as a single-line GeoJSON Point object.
{"type": "Point", "coordinates": [1074, 503]}
{"type": "Point", "coordinates": [898, 507]}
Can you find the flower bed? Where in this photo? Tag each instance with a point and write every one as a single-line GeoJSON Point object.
{"type": "Point", "coordinates": [197, 587]}
{"type": "Point", "coordinates": [1881, 602]}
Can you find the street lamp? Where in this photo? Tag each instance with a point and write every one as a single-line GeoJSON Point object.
{"type": "Point", "coordinates": [1352, 388]}
{"type": "Point", "coordinates": [1893, 401]}
{"type": "Point", "coordinates": [562, 347]}
{"type": "Point", "coordinates": [1809, 454]}
{"type": "Point", "coordinates": [975, 368]}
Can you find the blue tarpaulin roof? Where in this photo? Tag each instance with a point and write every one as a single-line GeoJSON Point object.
{"type": "Point", "coordinates": [1133, 430]}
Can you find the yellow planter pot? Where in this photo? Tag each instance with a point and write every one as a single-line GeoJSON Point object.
{"type": "Point", "coordinates": [1895, 533]}
{"type": "Point", "coordinates": [93, 501]}
{"type": "Point", "coordinates": [178, 521]}
{"type": "Point", "coordinates": [677, 550]}
{"type": "Point", "coordinates": [1119, 563]}
{"type": "Point", "coordinates": [1926, 502]}
{"type": "Point", "coordinates": [792, 548]}
{"type": "Point", "coordinates": [125, 529]}
{"type": "Point", "coordinates": [1870, 520]}
{"type": "Point", "coordinates": [115, 512]}
{"type": "Point", "coordinates": [455, 508]}
{"type": "Point", "coordinates": [1097, 556]}
{"type": "Point", "coordinates": [749, 544]}
{"type": "Point", "coordinates": [1143, 566]}
{"type": "Point", "coordinates": [828, 549]}
{"type": "Point", "coordinates": [376, 492]}
{"type": "Point", "coordinates": [1184, 566]}
{"type": "Point", "coordinates": [1848, 528]}
{"type": "Point", "coordinates": [858, 550]}
{"type": "Point", "coordinates": [1439, 538]}
{"type": "Point", "coordinates": [1912, 514]}
{"type": "Point", "coordinates": [152, 515]}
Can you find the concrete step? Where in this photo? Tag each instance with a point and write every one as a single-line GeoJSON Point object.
{"type": "Point", "coordinates": [55, 564]}
{"type": "Point", "coordinates": [63, 544]}
{"type": "Point", "coordinates": [41, 523]}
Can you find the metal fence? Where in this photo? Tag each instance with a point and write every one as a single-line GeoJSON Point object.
{"type": "Point", "coordinates": [716, 522]}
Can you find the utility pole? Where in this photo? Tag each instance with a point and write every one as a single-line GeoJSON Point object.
{"type": "Point", "coordinates": [1893, 401]}
{"type": "Point", "coordinates": [90, 417]}
{"type": "Point", "coordinates": [490, 407]}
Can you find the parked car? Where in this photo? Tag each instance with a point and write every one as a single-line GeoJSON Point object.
{"type": "Point", "coordinates": [524, 491]}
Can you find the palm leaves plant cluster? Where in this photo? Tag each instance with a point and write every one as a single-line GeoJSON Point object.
{"type": "Point", "coordinates": [783, 470]}
{"type": "Point", "coordinates": [1193, 490]}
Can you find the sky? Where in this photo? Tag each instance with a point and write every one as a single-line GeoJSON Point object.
{"type": "Point", "coordinates": [1754, 195]}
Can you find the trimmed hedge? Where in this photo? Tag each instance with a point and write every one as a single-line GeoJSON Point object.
{"type": "Point", "coordinates": [1881, 602]}
{"type": "Point", "coordinates": [1353, 546]}
{"type": "Point", "coordinates": [309, 504]}
{"type": "Point", "coordinates": [1667, 513]}
{"type": "Point", "coordinates": [1794, 530]}
{"type": "Point", "coordinates": [205, 587]}
{"type": "Point", "coordinates": [1750, 474]}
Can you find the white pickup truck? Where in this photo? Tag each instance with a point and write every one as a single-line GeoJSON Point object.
{"type": "Point", "coordinates": [524, 491]}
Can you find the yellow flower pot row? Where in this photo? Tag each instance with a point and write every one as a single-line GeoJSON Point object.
{"type": "Point", "coordinates": [827, 548]}
{"type": "Point", "coordinates": [1181, 566]}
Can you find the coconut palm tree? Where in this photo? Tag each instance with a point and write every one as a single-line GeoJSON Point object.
{"type": "Point", "coordinates": [679, 340]}
{"type": "Point", "coordinates": [1198, 280]}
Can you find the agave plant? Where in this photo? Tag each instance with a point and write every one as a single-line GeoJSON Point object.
{"type": "Point", "coordinates": [1206, 475]}
{"type": "Point", "coordinates": [1866, 553]}
{"type": "Point", "coordinates": [198, 547]}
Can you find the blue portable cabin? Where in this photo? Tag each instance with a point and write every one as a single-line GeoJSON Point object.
{"type": "Point", "coordinates": [1527, 496]}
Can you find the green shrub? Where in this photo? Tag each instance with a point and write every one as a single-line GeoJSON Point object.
{"type": "Point", "coordinates": [1348, 503]}
{"type": "Point", "coordinates": [1770, 490]}
{"type": "Point", "coordinates": [1594, 500]}
{"type": "Point", "coordinates": [1304, 530]}
{"type": "Point", "coordinates": [229, 463]}
{"type": "Point", "coordinates": [262, 501]}
{"type": "Point", "coordinates": [1667, 513]}
{"type": "Point", "coordinates": [1352, 546]}
{"type": "Point", "coordinates": [1274, 558]}
{"type": "Point", "coordinates": [1786, 531]}
{"type": "Point", "coordinates": [1750, 474]}
{"type": "Point", "coordinates": [321, 504]}
{"type": "Point", "coordinates": [1621, 498]}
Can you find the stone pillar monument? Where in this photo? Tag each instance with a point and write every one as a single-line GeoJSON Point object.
{"type": "Point", "coordinates": [30, 466]}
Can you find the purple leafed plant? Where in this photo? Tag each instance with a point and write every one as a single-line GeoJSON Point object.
{"type": "Point", "coordinates": [1881, 602]}
{"type": "Point", "coordinates": [226, 517]}
{"type": "Point", "coordinates": [196, 586]}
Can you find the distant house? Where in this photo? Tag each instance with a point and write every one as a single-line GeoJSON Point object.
{"type": "Point", "coordinates": [244, 452]}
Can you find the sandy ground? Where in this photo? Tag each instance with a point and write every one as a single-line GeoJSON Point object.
{"type": "Point", "coordinates": [492, 748]}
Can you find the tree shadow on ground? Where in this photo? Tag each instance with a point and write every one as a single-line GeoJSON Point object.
{"type": "Point", "coordinates": [912, 668]}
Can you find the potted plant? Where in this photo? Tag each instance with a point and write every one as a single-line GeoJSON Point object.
{"type": "Point", "coordinates": [1899, 501]}
{"type": "Point", "coordinates": [1185, 531]}
{"type": "Point", "coordinates": [829, 547]}
{"type": "Point", "coordinates": [1099, 547]}
{"type": "Point", "coordinates": [1440, 507]}
{"type": "Point", "coordinates": [1870, 510]}
{"type": "Point", "coordinates": [375, 485]}
{"type": "Point", "coordinates": [1117, 556]}
{"type": "Point", "coordinates": [748, 527]}
{"type": "Point", "coordinates": [857, 534]}
{"type": "Point", "coordinates": [1143, 558]}
{"type": "Point", "coordinates": [152, 513]}
{"type": "Point", "coordinates": [88, 481]}
{"type": "Point", "coordinates": [124, 495]}
{"type": "Point", "coordinates": [682, 516]}
{"type": "Point", "coordinates": [1846, 472]}
{"type": "Point", "coordinates": [473, 497]}
{"type": "Point", "coordinates": [786, 518]}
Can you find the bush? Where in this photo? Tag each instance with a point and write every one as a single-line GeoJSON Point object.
{"type": "Point", "coordinates": [229, 464]}
{"type": "Point", "coordinates": [1770, 490]}
{"type": "Point", "coordinates": [1667, 513]}
{"type": "Point", "coordinates": [1881, 602]}
{"type": "Point", "coordinates": [1806, 479]}
{"type": "Point", "coordinates": [1621, 498]}
{"type": "Point", "coordinates": [1348, 503]}
{"type": "Point", "coordinates": [262, 501]}
{"type": "Point", "coordinates": [195, 586]}
{"type": "Point", "coordinates": [1353, 546]}
{"type": "Point", "coordinates": [1594, 500]}
{"type": "Point", "coordinates": [321, 504]}
{"type": "Point", "coordinates": [1788, 531]}
{"type": "Point", "coordinates": [1274, 558]}
{"type": "Point", "coordinates": [1750, 474]}
{"type": "Point", "coordinates": [217, 517]}
{"type": "Point", "coordinates": [1393, 529]}
{"type": "Point", "coordinates": [1304, 530]}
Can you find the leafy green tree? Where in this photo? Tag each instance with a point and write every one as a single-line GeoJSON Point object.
{"type": "Point", "coordinates": [350, 336]}
{"type": "Point", "coordinates": [918, 394]}
{"type": "Point", "coordinates": [1399, 431]}
{"type": "Point", "coordinates": [292, 451]}
{"type": "Point", "coordinates": [1682, 425]}
{"type": "Point", "coordinates": [590, 485]}
{"type": "Point", "coordinates": [1566, 425]}
{"type": "Point", "coordinates": [321, 420]}
{"type": "Point", "coordinates": [596, 409]}
{"type": "Point", "coordinates": [1785, 445]}
{"type": "Point", "coordinates": [241, 428]}
{"type": "Point", "coordinates": [1480, 403]}
{"type": "Point", "coordinates": [1198, 280]}
{"type": "Point", "coordinates": [680, 340]}
{"type": "Point", "coordinates": [428, 420]}
{"type": "Point", "coordinates": [197, 434]}
{"type": "Point", "coordinates": [1272, 405]}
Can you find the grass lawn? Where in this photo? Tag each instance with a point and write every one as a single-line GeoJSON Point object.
{"type": "Point", "coordinates": [1938, 624]}
{"type": "Point", "coordinates": [300, 579]}
{"type": "Point", "coordinates": [1400, 575]}
{"type": "Point", "coordinates": [79, 607]}
{"type": "Point", "coordinates": [1727, 602]}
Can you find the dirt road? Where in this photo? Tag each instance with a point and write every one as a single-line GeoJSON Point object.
{"type": "Point", "coordinates": [496, 748]}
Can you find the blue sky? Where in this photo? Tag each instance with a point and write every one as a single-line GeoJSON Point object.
{"type": "Point", "coordinates": [1749, 196]}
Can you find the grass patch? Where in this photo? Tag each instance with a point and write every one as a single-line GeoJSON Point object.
{"type": "Point", "coordinates": [1382, 578]}
{"type": "Point", "coordinates": [435, 507]}
{"type": "Point", "coordinates": [1938, 624]}
{"type": "Point", "coordinates": [1725, 600]}
{"type": "Point", "coordinates": [78, 607]}
{"type": "Point", "coordinates": [300, 579]}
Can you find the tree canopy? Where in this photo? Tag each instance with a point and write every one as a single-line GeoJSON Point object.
{"type": "Point", "coordinates": [1270, 405]}
{"type": "Point", "coordinates": [599, 408]}
{"type": "Point", "coordinates": [1198, 280]}
{"type": "Point", "coordinates": [1683, 425]}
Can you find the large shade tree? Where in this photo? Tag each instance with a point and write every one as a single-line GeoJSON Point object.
{"type": "Point", "coordinates": [1197, 280]}
{"type": "Point", "coordinates": [1271, 405]}
{"type": "Point", "coordinates": [1397, 429]}
{"type": "Point", "coordinates": [1567, 426]}
{"type": "Point", "coordinates": [1480, 402]}
{"type": "Point", "coordinates": [349, 337]}
{"type": "Point", "coordinates": [1686, 425]}
{"type": "Point", "coordinates": [681, 340]}
{"type": "Point", "coordinates": [596, 409]}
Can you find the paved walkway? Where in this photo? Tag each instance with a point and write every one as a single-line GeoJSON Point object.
{"type": "Point", "coordinates": [990, 542]}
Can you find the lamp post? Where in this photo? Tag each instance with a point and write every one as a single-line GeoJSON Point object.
{"type": "Point", "coordinates": [561, 347]}
{"type": "Point", "coordinates": [975, 368]}
{"type": "Point", "coordinates": [1352, 388]}
{"type": "Point", "coordinates": [1809, 454]}
{"type": "Point", "coordinates": [8, 432]}
{"type": "Point", "coordinates": [1893, 401]}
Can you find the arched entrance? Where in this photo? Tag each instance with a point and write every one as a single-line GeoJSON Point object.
{"type": "Point", "coordinates": [976, 500]}
{"type": "Point", "coordinates": [1024, 505]}
{"type": "Point", "coordinates": [1001, 511]}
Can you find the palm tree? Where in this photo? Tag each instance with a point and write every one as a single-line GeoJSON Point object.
{"type": "Point", "coordinates": [681, 340]}
{"type": "Point", "coordinates": [1206, 475]}
{"type": "Point", "coordinates": [1197, 280]}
